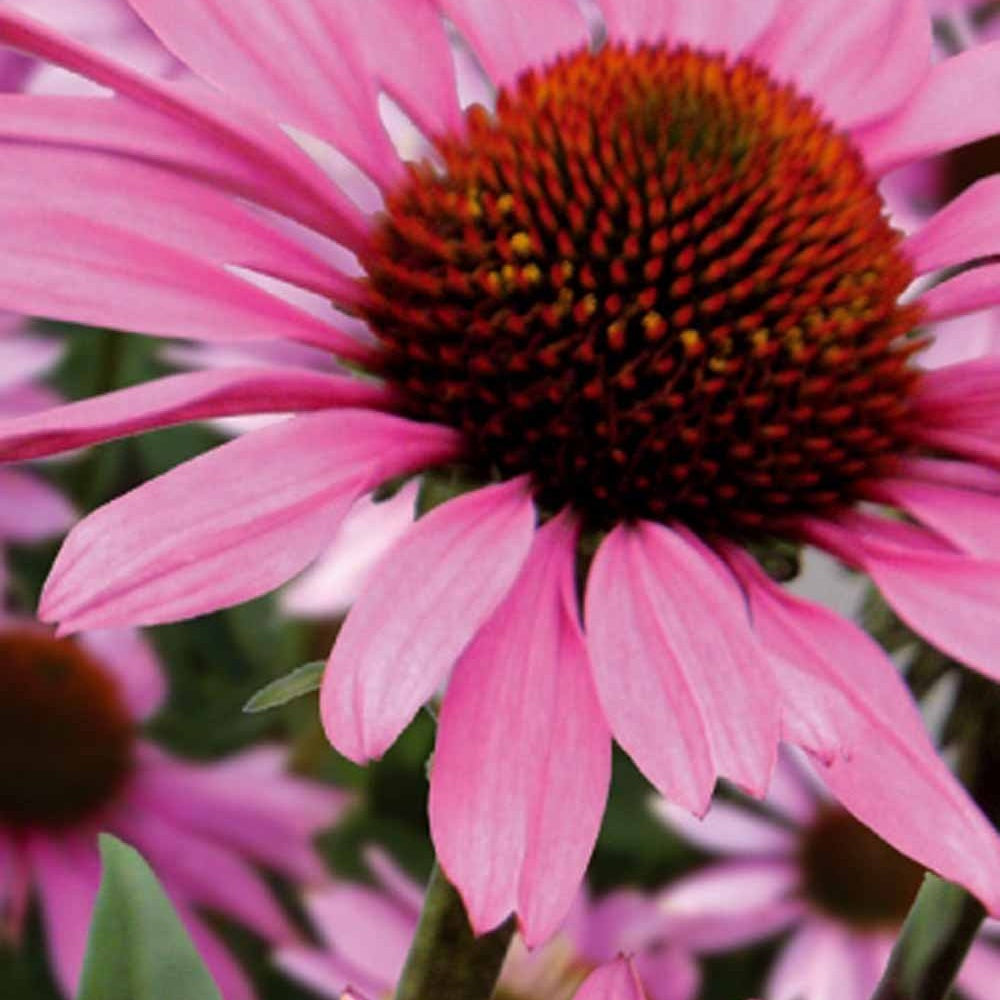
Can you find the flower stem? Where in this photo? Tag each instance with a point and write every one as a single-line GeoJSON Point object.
{"type": "Point", "coordinates": [933, 943]}
{"type": "Point", "coordinates": [447, 961]}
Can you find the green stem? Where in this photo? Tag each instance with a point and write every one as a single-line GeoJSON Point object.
{"type": "Point", "coordinates": [933, 943]}
{"type": "Point", "coordinates": [447, 961]}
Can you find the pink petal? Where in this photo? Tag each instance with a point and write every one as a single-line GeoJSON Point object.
{"type": "Point", "coordinates": [421, 606]}
{"type": "Point", "coordinates": [523, 756]}
{"type": "Point", "coordinates": [179, 399]}
{"type": "Point", "coordinates": [731, 904]}
{"type": "Point", "coordinates": [233, 523]}
{"type": "Point", "coordinates": [517, 35]}
{"type": "Point", "coordinates": [889, 46]}
{"type": "Point", "coordinates": [30, 509]}
{"type": "Point", "coordinates": [946, 111]}
{"type": "Point", "coordinates": [407, 894]}
{"type": "Point", "coordinates": [200, 871]}
{"type": "Point", "coordinates": [818, 963]}
{"type": "Point", "coordinates": [297, 59]}
{"type": "Point", "coordinates": [248, 152]}
{"type": "Point", "coordinates": [126, 655]}
{"type": "Point", "coordinates": [15, 885]}
{"type": "Point", "coordinates": [708, 24]}
{"type": "Point", "coordinates": [230, 978]}
{"type": "Point", "coordinates": [685, 701]}
{"type": "Point", "coordinates": [319, 971]}
{"type": "Point", "coordinates": [24, 358]}
{"type": "Point", "coordinates": [728, 828]}
{"type": "Point", "coordinates": [68, 875]}
{"type": "Point", "coordinates": [978, 288]}
{"type": "Point", "coordinates": [846, 703]}
{"type": "Point", "coordinates": [981, 972]}
{"type": "Point", "coordinates": [615, 981]}
{"type": "Point", "coordinates": [333, 583]}
{"type": "Point", "coordinates": [967, 518]}
{"type": "Point", "coordinates": [668, 973]}
{"type": "Point", "coordinates": [965, 395]}
{"type": "Point", "coordinates": [965, 229]}
{"type": "Point", "coordinates": [963, 338]}
{"type": "Point", "coordinates": [269, 818]}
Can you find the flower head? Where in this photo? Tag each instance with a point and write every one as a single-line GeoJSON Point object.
{"type": "Point", "coordinates": [646, 297]}
{"type": "Point", "coordinates": [809, 869]}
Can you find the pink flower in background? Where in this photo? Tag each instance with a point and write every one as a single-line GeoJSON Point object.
{"type": "Point", "coordinates": [30, 509]}
{"type": "Point", "coordinates": [808, 869]}
{"type": "Point", "coordinates": [73, 763]}
{"type": "Point", "coordinates": [669, 327]}
{"type": "Point", "coordinates": [366, 933]}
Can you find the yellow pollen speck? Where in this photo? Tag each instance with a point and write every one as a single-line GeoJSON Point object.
{"type": "Point", "coordinates": [654, 325]}
{"type": "Point", "coordinates": [522, 244]}
{"type": "Point", "coordinates": [505, 204]}
{"type": "Point", "coordinates": [532, 274]}
{"type": "Point", "coordinates": [691, 339]}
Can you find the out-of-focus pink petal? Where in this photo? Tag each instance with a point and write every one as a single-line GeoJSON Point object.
{"type": "Point", "coordinates": [963, 338]}
{"type": "Point", "coordinates": [408, 896]}
{"type": "Point", "coordinates": [523, 756]}
{"type": "Point", "coordinates": [24, 358]}
{"type": "Point", "coordinates": [649, 594]}
{"type": "Point", "coordinates": [794, 790]}
{"type": "Point", "coordinates": [866, 729]}
{"type": "Point", "coordinates": [30, 509]}
{"type": "Point", "coordinates": [980, 972]}
{"type": "Point", "coordinates": [889, 42]}
{"type": "Point", "coordinates": [334, 581]}
{"type": "Point", "coordinates": [517, 35]}
{"type": "Point", "coordinates": [269, 818]}
{"type": "Point", "coordinates": [731, 904]}
{"type": "Point", "coordinates": [233, 523]}
{"type": "Point", "coordinates": [729, 829]}
{"type": "Point", "coordinates": [230, 978]}
{"type": "Point", "coordinates": [200, 871]}
{"type": "Point", "coordinates": [978, 288]}
{"type": "Point", "coordinates": [668, 973]}
{"type": "Point", "coordinates": [126, 655]}
{"type": "Point", "coordinates": [298, 59]}
{"type": "Point", "coordinates": [615, 981]}
{"type": "Point", "coordinates": [179, 399]}
{"type": "Point", "coordinates": [967, 518]}
{"type": "Point", "coordinates": [964, 230]}
{"type": "Point", "coordinates": [947, 111]}
{"type": "Point", "coordinates": [709, 24]}
{"type": "Point", "coordinates": [420, 607]}
{"type": "Point", "coordinates": [67, 873]}
{"type": "Point", "coordinates": [249, 152]}
{"type": "Point", "coordinates": [819, 963]}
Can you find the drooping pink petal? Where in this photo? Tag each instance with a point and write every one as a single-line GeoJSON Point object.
{"type": "Point", "coordinates": [614, 981]}
{"type": "Point", "coordinates": [964, 230]}
{"type": "Point", "coordinates": [202, 872]}
{"type": "Point", "coordinates": [687, 701]}
{"type": "Point", "coordinates": [320, 971]}
{"type": "Point", "coordinates": [298, 59]}
{"type": "Point", "coordinates": [229, 977]}
{"type": "Point", "coordinates": [980, 972]}
{"type": "Point", "coordinates": [235, 144]}
{"type": "Point", "coordinates": [267, 818]}
{"type": "Point", "coordinates": [233, 523]}
{"type": "Point", "coordinates": [731, 904]}
{"type": "Point", "coordinates": [523, 755]}
{"type": "Point", "coordinates": [967, 518]}
{"type": "Point", "coordinates": [978, 288]}
{"type": "Point", "coordinates": [964, 395]}
{"type": "Point", "coordinates": [729, 829]}
{"type": "Point", "coordinates": [517, 35]}
{"type": "Point", "coordinates": [179, 399]}
{"type": "Point", "coordinates": [30, 509]}
{"type": "Point", "coordinates": [846, 703]}
{"type": "Point", "coordinates": [946, 111]}
{"type": "Point", "coordinates": [709, 24]}
{"type": "Point", "coordinates": [421, 606]}
{"type": "Point", "coordinates": [333, 583]}
{"type": "Point", "coordinates": [67, 873]}
{"type": "Point", "coordinates": [128, 657]}
{"type": "Point", "coordinates": [889, 42]}
{"type": "Point", "coordinates": [668, 973]}
{"type": "Point", "coordinates": [819, 963]}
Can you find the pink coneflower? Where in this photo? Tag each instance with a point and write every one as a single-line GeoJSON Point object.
{"type": "Point", "coordinates": [73, 763]}
{"type": "Point", "coordinates": [367, 932]}
{"type": "Point", "coordinates": [648, 298]}
{"type": "Point", "coordinates": [809, 868]}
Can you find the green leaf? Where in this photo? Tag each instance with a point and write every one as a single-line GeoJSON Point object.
{"type": "Point", "coordinates": [138, 948]}
{"type": "Point", "coordinates": [304, 680]}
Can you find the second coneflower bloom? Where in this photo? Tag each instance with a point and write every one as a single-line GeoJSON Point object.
{"type": "Point", "coordinates": [644, 307]}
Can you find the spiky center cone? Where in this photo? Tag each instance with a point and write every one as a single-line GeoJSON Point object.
{"type": "Point", "coordinates": [66, 738]}
{"type": "Point", "coordinates": [657, 282]}
{"type": "Point", "coordinates": [852, 875]}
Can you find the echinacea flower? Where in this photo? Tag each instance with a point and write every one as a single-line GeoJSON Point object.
{"type": "Point", "coordinates": [73, 763]}
{"type": "Point", "coordinates": [808, 869]}
{"type": "Point", "coordinates": [367, 931]}
{"type": "Point", "coordinates": [649, 297]}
